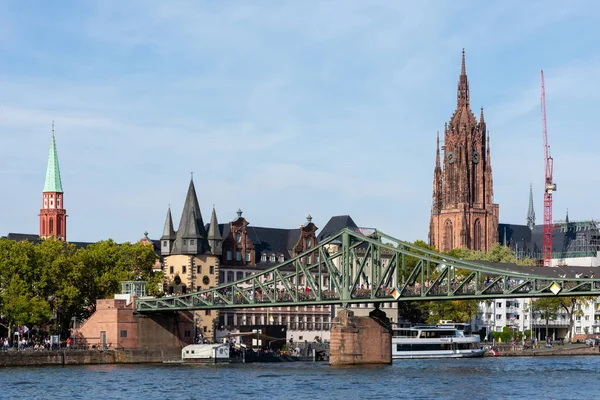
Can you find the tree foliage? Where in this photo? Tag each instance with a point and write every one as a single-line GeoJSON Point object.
{"type": "Point", "coordinates": [51, 282]}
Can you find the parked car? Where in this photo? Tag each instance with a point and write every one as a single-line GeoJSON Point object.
{"type": "Point", "coordinates": [592, 341]}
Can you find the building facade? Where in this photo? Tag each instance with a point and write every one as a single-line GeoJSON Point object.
{"type": "Point", "coordinates": [463, 212]}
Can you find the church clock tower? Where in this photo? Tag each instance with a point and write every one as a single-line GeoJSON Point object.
{"type": "Point", "coordinates": [53, 216]}
{"type": "Point", "coordinates": [463, 214]}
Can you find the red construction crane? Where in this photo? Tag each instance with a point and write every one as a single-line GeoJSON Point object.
{"type": "Point", "coordinates": [549, 187]}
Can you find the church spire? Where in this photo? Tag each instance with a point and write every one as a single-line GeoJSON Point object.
{"type": "Point", "coordinates": [531, 211]}
{"type": "Point", "coordinates": [53, 182]}
{"type": "Point", "coordinates": [463, 84]}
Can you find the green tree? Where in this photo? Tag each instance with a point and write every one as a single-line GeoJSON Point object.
{"type": "Point", "coordinates": [573, 307]}
{"type": "Point", "coordinates": [548, 307]}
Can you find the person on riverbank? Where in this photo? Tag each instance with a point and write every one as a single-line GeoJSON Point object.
{"type": "Point", "coordinates": [5, 345]}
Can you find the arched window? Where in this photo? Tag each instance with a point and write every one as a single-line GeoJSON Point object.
{"type": "Point", "coordinates": [51, 229]}
{"type": "Point", "coordinates": [58, 227]}
{"type": "Point", "coordinates": [238, 237]}
{"type": "Point", "coordinates": [477, 235]}
{"type": "Point", "coordinates": [307, 243]}
{"type": "Point", "coordinates": [448, 236]}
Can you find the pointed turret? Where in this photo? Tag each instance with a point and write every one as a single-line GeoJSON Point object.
{"type": "Point", "coordinates": [191, 235]}
{"type": "Point", "coordinates": [567, 217]}
{"type": "Point", "coordinates": [215, 239]}
{"type": "Point", "coordinates": [437, 181]}
{"type": "Point", "coordinates": [53, 182]}
{"type": "Point", "coordinates": [531, 211]}
{"type": "Point", "coordinates": [168, 235]}
{"type": "Point", "coordinates": [463, 84]}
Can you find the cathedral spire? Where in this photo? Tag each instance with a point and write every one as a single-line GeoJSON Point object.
{"type": "Point", "coordinates": [531, 212]}
{"type": "Point", "coordinates": [481, 119]}
{"type": "Point", "coordinates": [53, 182]}
{"type": "Point", "coordinates": [463, 84]}
{"type": "Point", "coordinates": [437, 153]}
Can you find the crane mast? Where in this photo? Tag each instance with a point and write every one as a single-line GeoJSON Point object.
{"type": "Point", "coordinates": [549, 187]}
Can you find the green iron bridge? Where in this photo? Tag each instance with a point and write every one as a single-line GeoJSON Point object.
{"type": "Point", "coordinates": [372, 267]}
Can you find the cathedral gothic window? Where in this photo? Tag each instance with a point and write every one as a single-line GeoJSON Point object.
{"type": "Point", "coordinates": [477, 236]}
{"type": "Point", "coordinates": [448, 236]}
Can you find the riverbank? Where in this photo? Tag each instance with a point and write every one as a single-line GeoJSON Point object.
{"type": "Point", "coordinates": [563, 350]}
{"type": "Point", "coordinates": [86, 357]}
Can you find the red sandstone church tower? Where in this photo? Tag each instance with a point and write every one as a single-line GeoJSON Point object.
{"type": "Point", "coordinates": [463, 213]}
{"type": "Point", "coordinates": [53, 216]}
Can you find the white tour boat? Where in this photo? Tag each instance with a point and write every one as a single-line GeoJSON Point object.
{"type": "Point", "coordinates": [446, 340]}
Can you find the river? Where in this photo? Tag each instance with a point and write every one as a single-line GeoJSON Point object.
{"type": "Point", "coordinates": [485, 378]}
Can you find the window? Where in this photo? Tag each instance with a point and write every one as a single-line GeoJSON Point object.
{"type": "Point", "coordinates": [191, 242]}
{"type": "Point", "coordinates": [229, 276]}
{"type": "Point", "coordinates": [185, 242]}
{"type": "Point", "coordinates": [183, 269]}
{"type": "Point", "coordinates": [498, 316]}
{"type": "Point", "coordinates": [587, 317]}
{"type": "Point", "coordinates": [221, 277]}
{"type": "Point", "coordinates": [211, 269]}
{"type": "Point", "coordinates": [123, 333]}
{"type": "Point", "coordinates": [165, 243]}
{"type": "Point", "coordinates": [248, 256]}
{"type": "Point", "coordinates": [263, 257]}
{"type": "Point", "coordinates": [207, 312]}
{"type": "Point", "coordinates": [238, 255]}
{"type": "Point", "coordinates": [51, 226]}
{"type": "Point", "coordinates": [171, 269]}
{"type": "Point", "coordinates": [205, 329]}
{"type": "Point", "coordinates": [199, 269]}
{"type": "Point", "coordinates": [238, 237]}
{"type": "Point", "coordinates": [307, 260]}
{"type": "Point", "coordinates": [239, 275]}
{"type": "Point", "coordinates": [579, 318]}
{"type": "Point", "coordinates": [272, 258]}
{"type": "Point", "coordinates": [281, 258]}
{"type": "Point", "coordinates": [228, 255]}
{"type": "Point", "coordinates": [187, 333]}
{"type": "Point", "coordinates": [499, 305]}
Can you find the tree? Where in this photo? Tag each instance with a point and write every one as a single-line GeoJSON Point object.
{"type": "Point", "coordinates": [573, 307]}
{"type": "Point", "coordinates": [548, 307]}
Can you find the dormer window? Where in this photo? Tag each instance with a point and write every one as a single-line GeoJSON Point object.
{"type": "Point", "coordinates": [263, 257]}
{"type": "Point", "coordinates": [248, 256]}
{"type": "Point", "coordinates": [281, 258]}
{"type": "Point", "coordinates": [238, 237]}
{"type": "Point", "coordinates": [272, 258]}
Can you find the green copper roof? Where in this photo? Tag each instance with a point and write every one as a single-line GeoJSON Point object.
{"type": "Point", "coordinates": [53, 182]}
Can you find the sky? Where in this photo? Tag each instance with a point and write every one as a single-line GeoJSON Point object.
{"type": "Point", "coordinates": [285, 109]}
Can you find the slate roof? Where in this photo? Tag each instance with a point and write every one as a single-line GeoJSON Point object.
{"type": "Point", "coordinates": [566, 238]}
{"type": "Point", "coordinates": [336, 224]}
{"type": "Point", "coordinates": [20, 237]}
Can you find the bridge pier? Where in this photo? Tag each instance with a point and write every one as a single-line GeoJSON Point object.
{"type": "Point", "coordinates": [360, 340]}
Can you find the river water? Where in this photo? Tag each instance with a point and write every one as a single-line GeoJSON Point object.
{"type": "Point", "coordinates": [484, 378]}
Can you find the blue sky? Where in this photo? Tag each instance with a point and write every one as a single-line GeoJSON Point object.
{"type": "Point", "coordinates": [285, 109]}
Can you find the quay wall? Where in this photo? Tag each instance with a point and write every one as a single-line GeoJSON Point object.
{"type": "Point", "coordinates": [77, 357]}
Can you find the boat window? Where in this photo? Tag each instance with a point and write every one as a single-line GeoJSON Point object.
{"type": "Point", "coordinates": [437, 334]}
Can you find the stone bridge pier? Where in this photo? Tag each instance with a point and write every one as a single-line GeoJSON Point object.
{"type": "Point", "coordinates": [360, 340]}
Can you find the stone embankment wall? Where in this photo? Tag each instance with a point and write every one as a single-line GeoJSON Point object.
{"type": "Point", "coordinates": [76, 357]}
{"type": "Point", "coordinates": [567, 350]}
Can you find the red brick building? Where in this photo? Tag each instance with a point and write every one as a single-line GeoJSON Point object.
{"type": "Point", "coordinates": [463, 214]}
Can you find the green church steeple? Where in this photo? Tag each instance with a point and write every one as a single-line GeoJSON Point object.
{"type": "Point", "coordinates": [53, 181]}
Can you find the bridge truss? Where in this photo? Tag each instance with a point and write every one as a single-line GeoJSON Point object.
{"type": "Point", "coordinates": [352, 267]}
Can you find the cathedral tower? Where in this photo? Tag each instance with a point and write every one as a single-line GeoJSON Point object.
{"type": "Point", "coordinates": [463, 214]}
{"type": "Point", "coordinates": [53, 216]}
